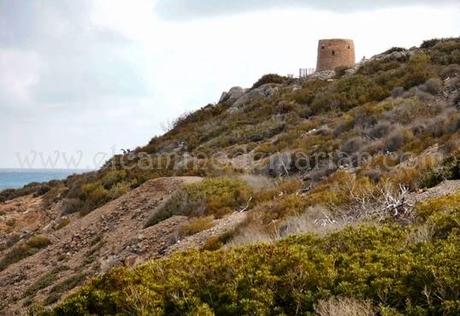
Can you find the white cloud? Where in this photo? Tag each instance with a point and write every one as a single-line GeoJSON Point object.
{"type": "Point", "coordinates": [19, 73]}
{"type": "Point", "coordinates": [189, 9]}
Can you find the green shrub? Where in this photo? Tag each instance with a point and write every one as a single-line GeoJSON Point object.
{"type": "Point", "coordinates": [37, 189]}
{"type": "Point", "coordinates": [196, 225]}
{"type": "Point", "coordinates": [38, 242]}
{"type": "Point", "coordinates": [394, 50]}
{"type": "Point", "coordinates": [448, 170]}
{"type": "Point", "coordinates": [264, 150]}
{"type": "Point", "coordinates": [71, 206]}
{"type": "Point", "coordinates": [217, 242]}
{"type": "Point", "coordinates": [430, 43]}
{"type": "Point", "coordinates": [373, 67]}
{"type": "Point", "coordinates": [442, 214]}
{"type": "Point", "coordinates": [446, 52]}
{"type": "Point", "coordinates": [373, 264]}
{"type": "Point", "coordinates": [417, 71]}
{"type": "Point", "coordinates": [347, 93]}
{"type": "Point", "coordinates": [212, 196]}
{"type": "Point", "coordinates": [443, 204]}
{"type": "Point", "coordinates": [270, 78]}
{"type": "Point", "coordinates": [307, 93]}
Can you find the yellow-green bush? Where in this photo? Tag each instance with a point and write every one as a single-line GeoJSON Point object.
{"type": "Point", "coordinates": [212, 196]}
{"type": "Point", "coordinates": [417, 71]}
{"type": "Point", "coordinates": [449, 169]}
{"type": "Point", "coordinates": [270, 78]}
{"type": "Point", "coordinates": [347, 93]}
{"type": "Point", "coordinates": [264, 150]}
{"type": "Point", "coordinates": [196, 225]}
{"type": "Point", "coordinates": [350, 106]}
{"type": "Point", "coordinates": [368, 263]}
{"type": "Point", "coordinates": [340, 189]}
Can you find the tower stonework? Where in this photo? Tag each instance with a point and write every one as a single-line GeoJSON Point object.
{"type": "Point", "coordinates": [333, 53]}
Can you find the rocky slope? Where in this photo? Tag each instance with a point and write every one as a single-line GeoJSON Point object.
{"type": "Point", "coordinates": [287, 156]}
{"type": "Point", "coordinates": [112, 235]}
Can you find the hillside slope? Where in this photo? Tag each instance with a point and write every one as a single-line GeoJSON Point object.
{"type": "Point", "coordinates": [361, 146]}
{"type": "Point", "coordinates": [363, 270]}
{"type": "Point", "coordinates": [109, 236]}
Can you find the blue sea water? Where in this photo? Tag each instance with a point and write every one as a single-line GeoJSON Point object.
{"type": "Point", "coordinates": [17, 178]}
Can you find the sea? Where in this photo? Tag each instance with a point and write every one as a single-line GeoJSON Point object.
{"type": "Point", "coordinates": [17, 178]}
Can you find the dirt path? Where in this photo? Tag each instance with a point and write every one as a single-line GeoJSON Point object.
{"type": "Point", "coordinates": [444, 188]}
{"type": "Point", "coordinates": [197, 241]}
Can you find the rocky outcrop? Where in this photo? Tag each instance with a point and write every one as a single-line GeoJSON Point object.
{"type": "Point", "coordinates": [231, 96]}
{"type": "Point", "coordinates": [238, 97]}
{"type": "Point", "coordinates": [396, 55]}
{"type": "Point", "coordinates": [323, 75]}
{"type": "Point", "coordinates": [265, 91]}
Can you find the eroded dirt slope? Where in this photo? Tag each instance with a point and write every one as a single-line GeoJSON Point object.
{"type": "Point", "coordinates": [111, 235]}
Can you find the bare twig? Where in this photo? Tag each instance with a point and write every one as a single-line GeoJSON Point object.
{"type": "Point", "coordinates": [247, 206]}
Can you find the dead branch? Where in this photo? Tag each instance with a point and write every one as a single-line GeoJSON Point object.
{"type": "Point", "coordinates": [247, 206]}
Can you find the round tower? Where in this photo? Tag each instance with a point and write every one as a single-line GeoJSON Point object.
{"type": "Point", "coordinates": [333, 53]}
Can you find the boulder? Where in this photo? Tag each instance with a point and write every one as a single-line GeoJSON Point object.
{"type": "Point", "coordinates": [400, 55]}
{"type": "Point", "coordinates": [351, 71]}
{"type": "Point", "coordinates": [265, 91]}
{"type": "Point", "coordinates": [231, 96]}
{"type": "Point", "coordinates": [323, 75]}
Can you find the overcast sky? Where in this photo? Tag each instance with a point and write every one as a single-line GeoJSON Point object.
{"type": "Point", "coordinates": [88, 77]}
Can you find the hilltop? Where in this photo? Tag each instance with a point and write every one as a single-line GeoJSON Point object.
{"type": "Point", "coordinates": [293, 196]}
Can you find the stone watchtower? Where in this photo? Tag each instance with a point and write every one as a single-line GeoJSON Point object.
{"type": "Point", "coordinates": [333, 53]}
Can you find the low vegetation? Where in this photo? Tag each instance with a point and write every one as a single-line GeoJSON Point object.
{"type": "Point", "coordinates": [61, 288]}
{"type": "Point", "coordinates": [23, 250]}
{"type": "Point", "coordinates": [45, 281]}
{"type": "Point", "coordinates": [213, 196]}
{"type": "Point", "coordinates": [379, 269]}
{"type": "Point", "coordinates": [337, 151]}
{"type": "Point", "coordinates": [195, 226]}
{"type": "Point", "coordinates": [389, 105]}
{"type": "Point", "coordinates": [270, 78]}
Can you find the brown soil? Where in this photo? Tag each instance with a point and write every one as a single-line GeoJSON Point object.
{"type": "Point", "coordinates": [109, 236]}
{"type": "Point", "coordinates": [112, 235]}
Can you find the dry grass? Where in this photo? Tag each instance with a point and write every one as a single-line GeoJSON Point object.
{"type": "Point", "coordinates": [24, 250]}
{"type": "Point", "coordinates": [251, 235]}
{"type": "Point", "coordinates": [196, 225]}
{"type": "Point", "coordinates": [316, 220]}
{"type": "Point", "coordinates": [344, 307]}
{"type": "Point", "coordinates": [411, 172]}
{"type": "Point", "coordinates": [257, 182]}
